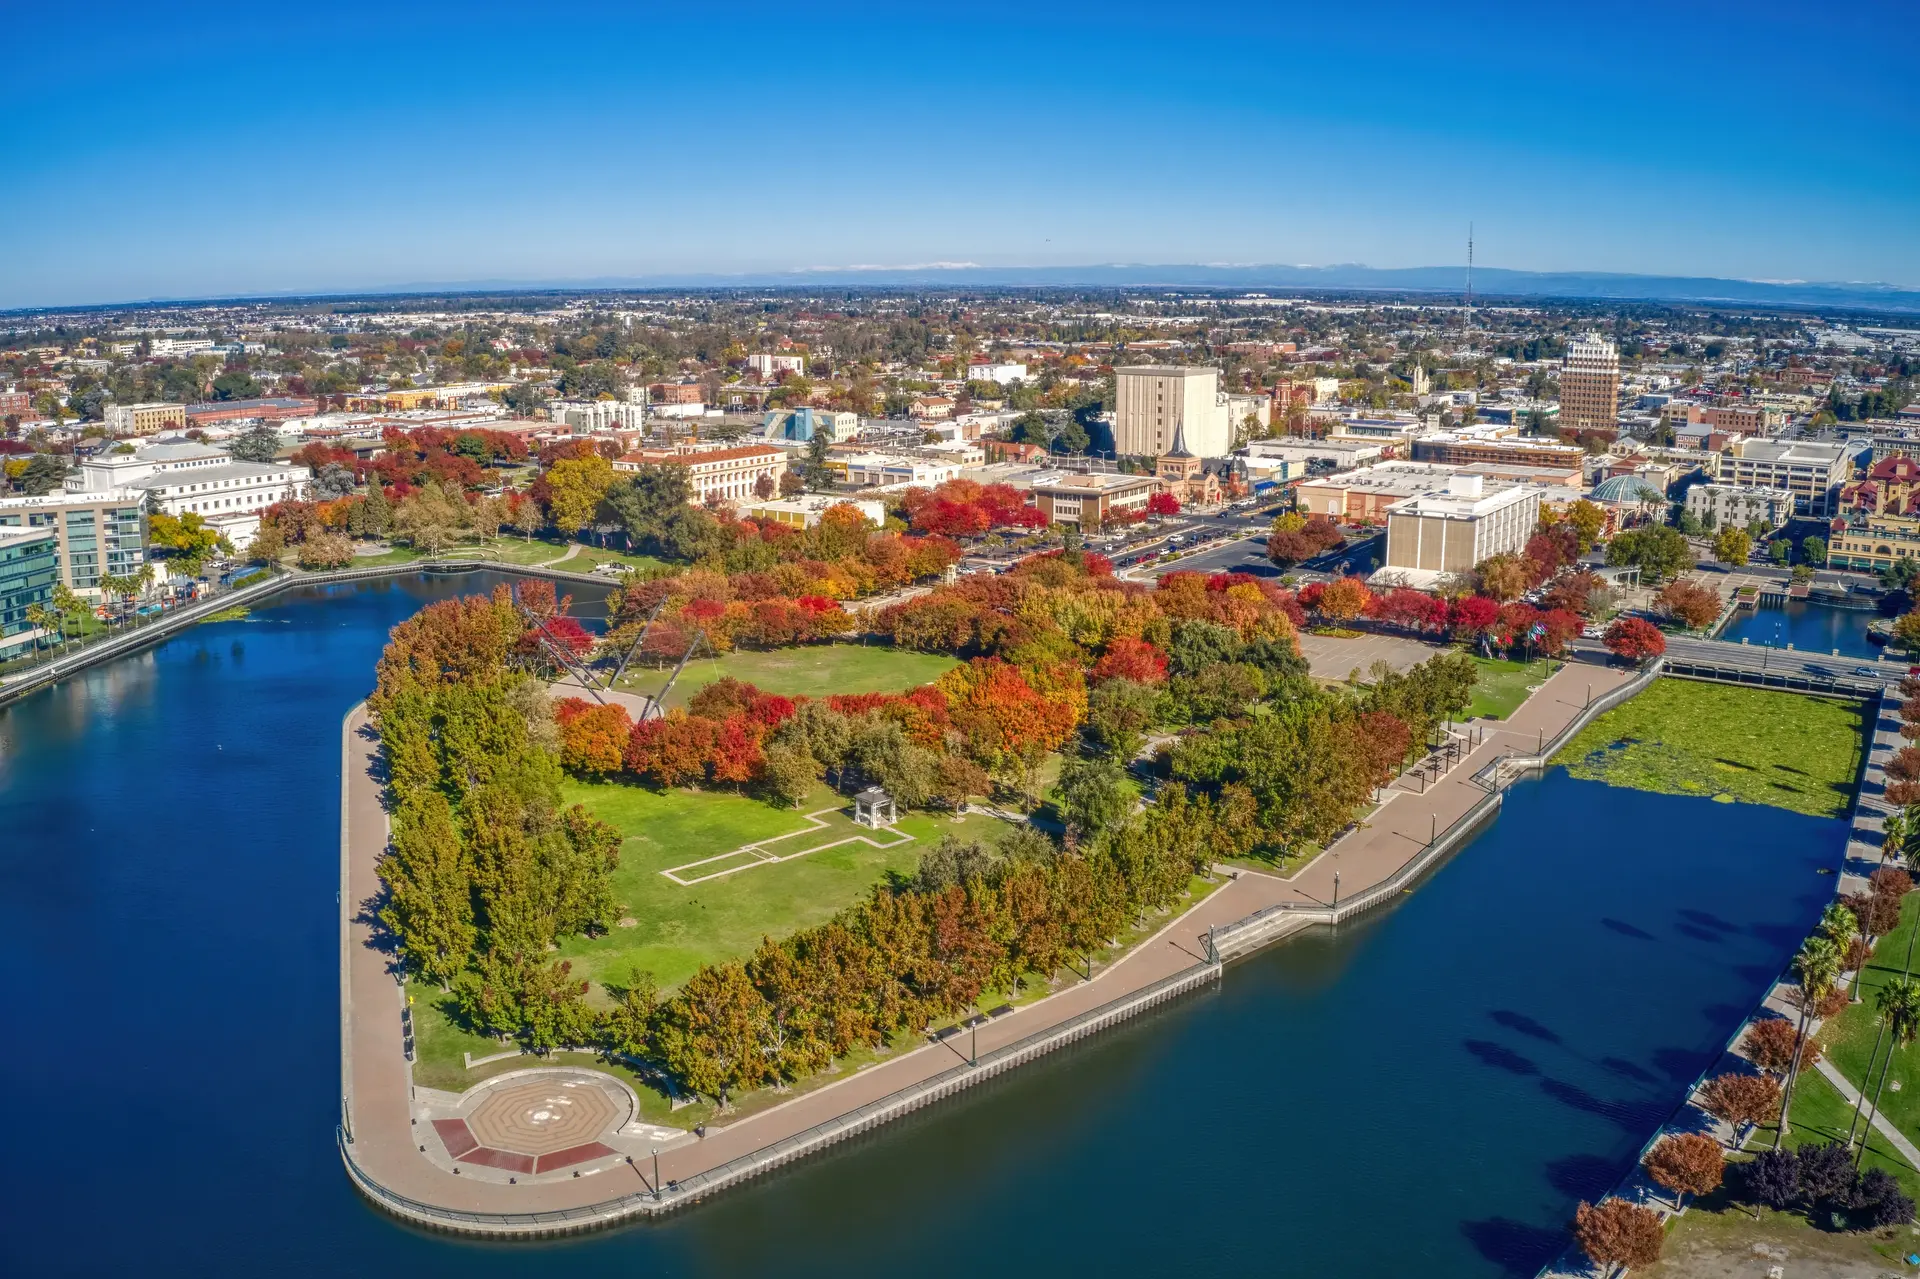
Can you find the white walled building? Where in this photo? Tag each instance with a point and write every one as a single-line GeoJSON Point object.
{"type": "Point", "coordinates": [768, 366]}
{"type": "Point", "coordinates": [1731, 506]}
{"type": "Point", "coordinates": [1152, 401]}
{"type": "Point", "coordinates": [195, 479]}
{"type": "Point", "coordinates": [1004, 374]}
{"type": "Point", "coordinates": [723, 475]}
{"type": "Point", "coordinates": [1448, 532]}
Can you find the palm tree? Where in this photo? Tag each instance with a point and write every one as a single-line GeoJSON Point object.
{"type": "Point", "coordinates": [1817, 966]}
{"type": "Point", "coordinates": [41, 618]}
{"type": "Point", "coordinates": [1899, 1003]}
{"type": "Point", "coordinates": [1895, 839]}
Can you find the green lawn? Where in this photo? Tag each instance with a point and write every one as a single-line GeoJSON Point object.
{"type": "Point", "coordinates": [812, 670]}
{"type": "Point", "coordinates": [1733, 744]}
{"type": "Point", "coordinates": [1849, 1037]}
{"type": "Point", "coordinates": [1504, 685]}
{"type": "Point", "coordinates": [680, 927]}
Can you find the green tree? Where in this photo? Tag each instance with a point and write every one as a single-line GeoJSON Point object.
{"type": "Point", "coordinates": [1094, 795]}
{"type": "Point", "coordinates": [258, 443]}
{"type": "Point", "coordinates": [1732, 546]}
{"type": "Point", "coordinates": [235, 384]}
{"type": "Point", "coordinates": [429, 874]}
{"type": "Point", "coordinates": [1813, 550]}
{"type": "Point", "coordinates": [645, 503]}
{"type": "Point", "coordinates": [577, 485]}
{"type": "Point", "coordinates": [1658, 551]}
{"type": "Point", "coordinates": [1780, 551]}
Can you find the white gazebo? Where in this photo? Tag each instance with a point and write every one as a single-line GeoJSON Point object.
{"type": "Point", "coordinates": [874, 807]}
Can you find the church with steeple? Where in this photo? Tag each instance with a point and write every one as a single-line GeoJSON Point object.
{"type": "Point", "coordinates": [1186, 476]}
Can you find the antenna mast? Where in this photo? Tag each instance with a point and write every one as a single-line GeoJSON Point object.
{"type": "Point", "coordinates": [1469, 277]}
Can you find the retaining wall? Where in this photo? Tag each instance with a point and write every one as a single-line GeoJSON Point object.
{"type": "Point", "coordinates": [853, 1123]}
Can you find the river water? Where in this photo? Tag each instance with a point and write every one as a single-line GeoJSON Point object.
{"type": "Point", "coordinates": [1428, 1091]}
{"type": "Point", "coordinates": [1809, 627]}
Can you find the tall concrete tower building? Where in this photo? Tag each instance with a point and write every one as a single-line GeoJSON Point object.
{"type": "Point", "coordinates": [1154, 401]}
{"type": "Point", "coordinates": [1590, 385]}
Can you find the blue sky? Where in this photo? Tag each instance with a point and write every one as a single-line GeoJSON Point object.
{"type": "Point", "coordinates": [157, 150]}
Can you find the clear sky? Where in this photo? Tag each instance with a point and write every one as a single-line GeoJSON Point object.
{"type": "Point", "coordinates": [157, 150]}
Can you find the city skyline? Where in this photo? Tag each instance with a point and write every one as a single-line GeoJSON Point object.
{"type": "Point", "coordinates": [448, 147]}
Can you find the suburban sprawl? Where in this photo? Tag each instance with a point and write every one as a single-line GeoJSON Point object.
{"type": "Point", "coordinates": [850, 696]}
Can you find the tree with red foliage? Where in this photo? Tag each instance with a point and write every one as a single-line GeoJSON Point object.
{"type": "Point", "coordinates": [1635, 639]}
{"type": "Point", "coordinates": [1558, 628]}
{"type": "Point", "coordinates": [1472, 615]}
{"type": "Point", "coordinates": [674, 750]}
{"type": "Point", "coordinates": [736, 751]}
{"type": "Point", "coordinates": [566, 634]}
{"type": "Point", "coordinates": [1409, 609]}
{"type": "Point", "coordinates": [593, 737]}
{"type": "Point", "coordinates": [1129, 658]}
{"type": "Point", "coordinates": [1686, 1164]}
{"type": "Point", "coordinates": [1163, 503]}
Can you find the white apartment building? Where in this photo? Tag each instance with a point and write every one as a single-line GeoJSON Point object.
{"type": "Point", "coordinates": [1730, 506]}
{"type": "Point", "coordinates": [1812, 472]}
{"type": "Point", "coordinates": [1153, 401]}
{"type": "Point", "coordinates": [589, 416]}
{"type": "Point", "coordinates": [1004, 374]}
{"type": "Point", "coordinates": [193, 478]}
{"type": "Point", "coordinates": [768, 366]}
{"type": "Point", "coordinates": [722, 475]}
{"type": "Point", "coordinates": [870, 469]}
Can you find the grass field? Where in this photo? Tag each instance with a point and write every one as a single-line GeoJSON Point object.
{"type": "Point", "coordinates": [1731, 744]}
{"type": "Point", "coordinates": [1849, 1037]}
{"type": "Point", "coordinates": [1504, 685]}
{"type": "Point", "coordinates": [812, 670]}
{"type": "Point", "coordinates": [680, 927]}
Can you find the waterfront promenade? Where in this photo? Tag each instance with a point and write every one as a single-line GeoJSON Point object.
{"type": "Point", "coordinates": [379, 1107]}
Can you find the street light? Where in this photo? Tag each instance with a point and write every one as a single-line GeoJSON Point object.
{"type": "Point", "coordinates": [656, 1174]}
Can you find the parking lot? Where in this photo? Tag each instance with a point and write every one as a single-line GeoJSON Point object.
{"type": "Point", "coordinates": [1329, 657]}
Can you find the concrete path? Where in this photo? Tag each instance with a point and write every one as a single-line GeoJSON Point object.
{"type": "Point", "coordinates": [1894, 1136]}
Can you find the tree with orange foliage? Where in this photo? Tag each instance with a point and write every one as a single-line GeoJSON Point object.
{"type": "Point", "coordinates": [1006, 723]}
{"type": "Point", "coordinates": [1689, 603]}
{"type": "Point", "coordinates": [1686, 1164]}
{"type": "Point", "coordinates": [593, 737]}
{"type": "Point", "coordinates": [1617, 1233]}
{"type": "Point", "coordinates": [1345, 599]}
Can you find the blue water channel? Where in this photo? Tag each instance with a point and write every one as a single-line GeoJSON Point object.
{"type": "Point", "coordinates": [1428, 1091]}
{"type": "Point", "coordinates": [1809, 627]}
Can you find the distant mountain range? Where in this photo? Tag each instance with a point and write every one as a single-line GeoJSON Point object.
{"type": "Point", "coordinates": [1441, 281]}
{"type": "Point", "coordinates": [1488, 282]}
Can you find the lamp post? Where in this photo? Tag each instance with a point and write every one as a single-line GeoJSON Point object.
{"type": "Point", "coordinates": [656, 1174]}
{"type": "Point", "coordinates": [1336, 890]}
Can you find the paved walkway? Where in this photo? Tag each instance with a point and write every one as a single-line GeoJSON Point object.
{"type": "Point", "coordinates": [1415, 810]}
{"type": "Point", "coordinates": [382, 1108]}
{"type": "Point", "coordinates": [1896, 1138]}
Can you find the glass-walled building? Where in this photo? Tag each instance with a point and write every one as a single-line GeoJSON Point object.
{"type": "Point", "coordinates": [96, 534]}
{"type": "Point", "coordinates": [29, 569]}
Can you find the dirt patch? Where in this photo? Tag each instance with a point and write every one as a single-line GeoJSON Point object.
{"type": "Point", "coordinates": [1732, 1245]}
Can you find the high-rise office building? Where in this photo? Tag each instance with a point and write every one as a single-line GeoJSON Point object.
{"type": "Point", "coordinates": [1154, 401]}
{"type": "Point", "coordinates": [1590, 386]}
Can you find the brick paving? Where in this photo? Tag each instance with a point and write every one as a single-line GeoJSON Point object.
{"type": "Point", "coordinates": [381, 1111]}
